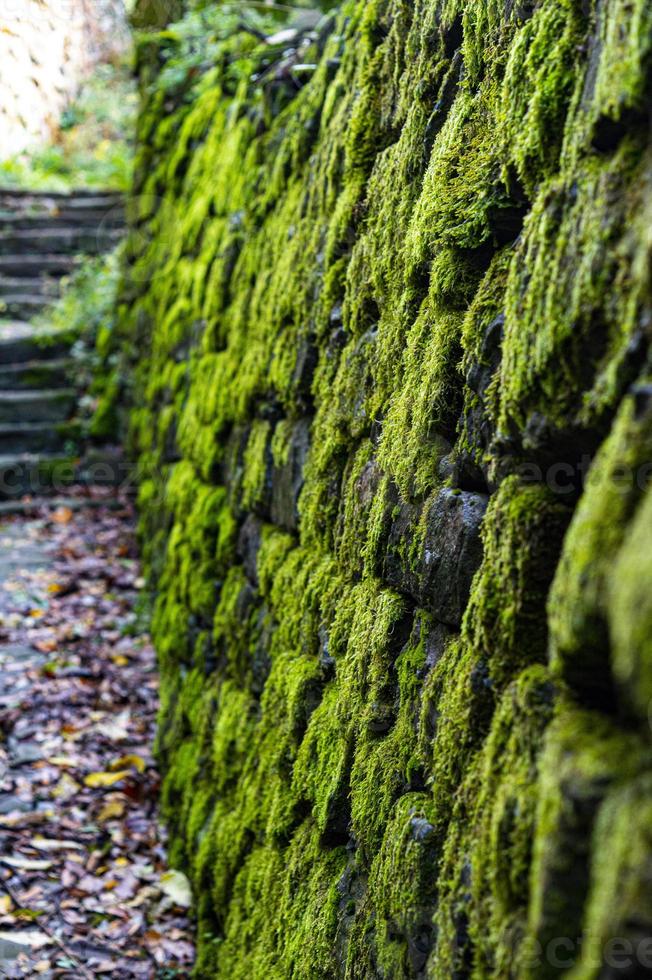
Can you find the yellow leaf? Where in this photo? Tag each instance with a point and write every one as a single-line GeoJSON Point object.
{"type": "Point", "coordinates": [134, 761]}
{"type": "Point", "coordinates": [62, 515]}
{"type": "Point", "coordinates": [66, 788]}
{"type": "Point", "coordinates": [36, 613]}
{"type": "Point", "coordinates": [6, 904]}
{"type": "Point", "coordinates": [97, 780]}
{"type": "Point", "coordinates": [120, 661]}
{"type": "Point", "coordinates": [111, 811]}
{"type": "Point", "coordinates": [54, 587]}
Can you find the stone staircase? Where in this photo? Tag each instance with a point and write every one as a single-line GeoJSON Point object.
{"type": "Point", "coordinates": [43, 238]}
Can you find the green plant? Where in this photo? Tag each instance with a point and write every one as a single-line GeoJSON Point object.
{"type": "Point", "coordinates": [93, 145]}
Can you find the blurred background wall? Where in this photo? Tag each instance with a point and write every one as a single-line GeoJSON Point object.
{"type": "Point", "coordinates": [46, 49]}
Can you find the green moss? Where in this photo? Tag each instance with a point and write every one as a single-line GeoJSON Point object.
{"type": "Point", "coordinates": [505, 621]}
{"type": "Point", "coordinates": [621, 52]}
{"type": "Point", "coordinates": [488, 854]}
{"type": "Point", "coordinates": [581, 647]}
{"type": "Point", "coordinates": [585, 755]}
{"type": "Point", "coordinates": [256, 461]}
{"type": "Point", "coordinates": [629, 616]}
{"type": "Point", "coordinates": [620, 865]}
{"type": "Point", "coordinates": [574, 251]}
{"type": "Point", "coordinates": [540, 76]}
{"type": "Point", "coordinates": [431, 252]}
{"type": "Point", "coordinates": [401, 893]}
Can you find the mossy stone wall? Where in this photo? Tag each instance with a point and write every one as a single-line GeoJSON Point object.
{"type": "Point", "coordinates": [386, 317]}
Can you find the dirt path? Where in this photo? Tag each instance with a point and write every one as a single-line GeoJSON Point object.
{"type": "Point", "coordinates": [84, 886]}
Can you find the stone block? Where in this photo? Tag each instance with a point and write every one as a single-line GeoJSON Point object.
{"type": "Point", "coordinates": [434, 551]}
{"type": "Point", "coordinates": [287, 478]}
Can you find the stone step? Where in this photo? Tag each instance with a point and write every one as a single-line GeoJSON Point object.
{"type": "Point", "coordinates": [23, 474]}
{"type": "Point", "coordinates": [78, 192]}
{"type": "Point", "coordinates": [106, 466]}
{"type": "Point", "coordinates": [38, 473]}
{"type": "Point", "coordinates": [43, 236]}
{"type": "Point", "coordinates": [68, 240]}
{"type": "Point", "coordinates": [47, 201]}
{"type": "Point", "coordinates": [27, 266]}
{"type": "Point", "coordinates": [33, 285]}
{"type": "Point", "coordinates": [24, 306]}
{"type": "Point", "coordinates": [57, 373]}
{"type": "Point", "coordinates": [40, 437]}
{"type": "Point", "coordinates": [20, 342]}
{"type": "Point", "coordinates": [81, 220]}
{"type": "Point", "coordinates": [45, 405]}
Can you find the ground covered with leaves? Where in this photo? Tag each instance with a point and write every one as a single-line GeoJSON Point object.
{"type": "Point", "coordinates": [84, 885]}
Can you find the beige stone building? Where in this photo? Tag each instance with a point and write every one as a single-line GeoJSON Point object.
{"type": "Point", "coordinates": [46, 47]}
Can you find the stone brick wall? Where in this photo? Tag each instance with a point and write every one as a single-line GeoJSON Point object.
{"type": "Point", "coordinates": [46, 48]}
{"type": "Point", "coordinates": [387, 328]}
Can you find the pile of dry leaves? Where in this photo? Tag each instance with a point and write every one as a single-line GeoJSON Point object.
{"type": "Point", "coordinates": [84, 885]}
